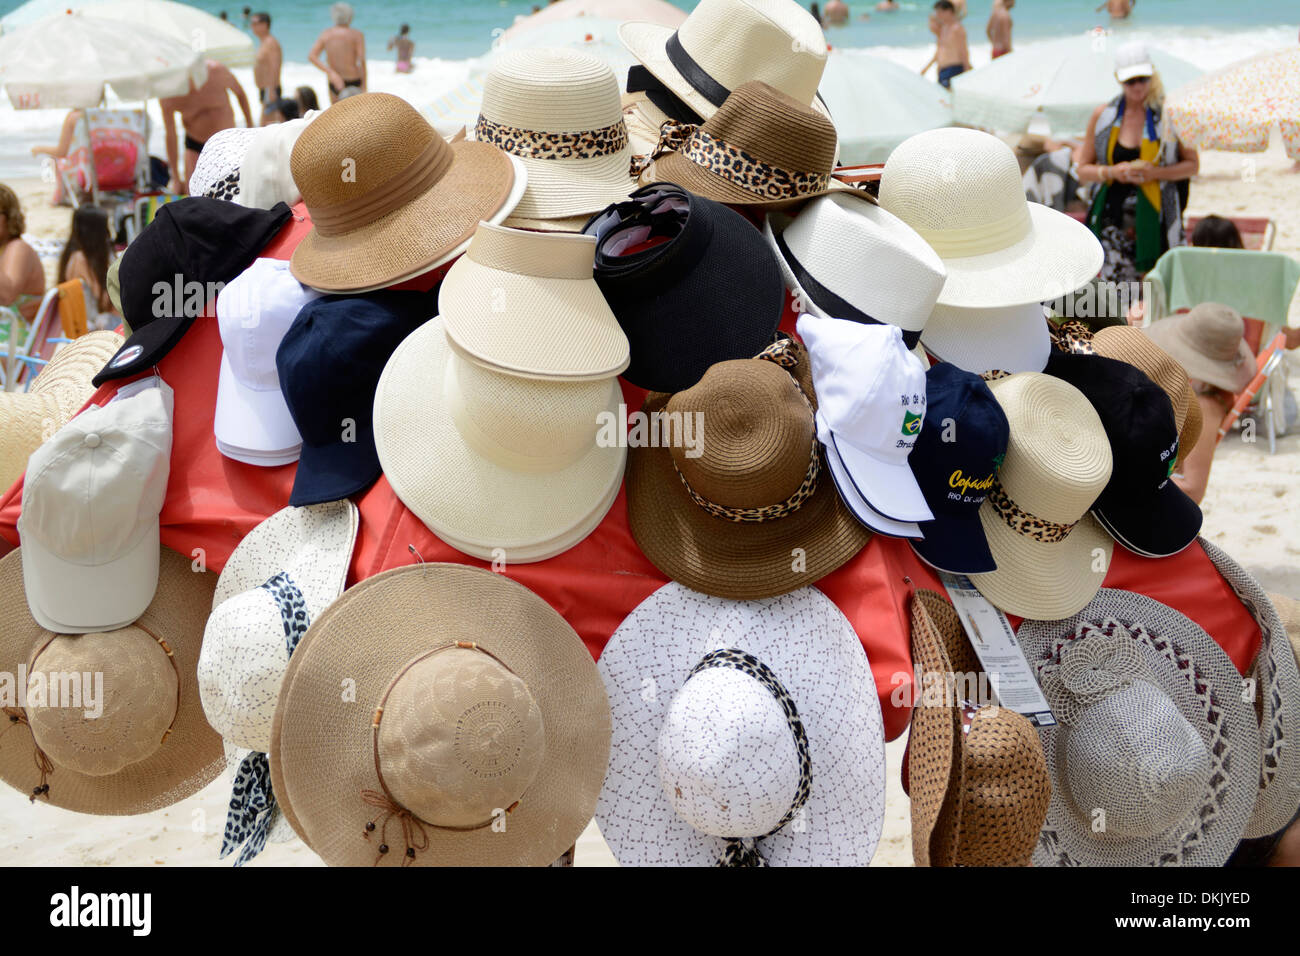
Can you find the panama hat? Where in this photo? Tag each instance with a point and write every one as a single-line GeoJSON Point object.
{"type": "Point", "coordinates": [759, 742]}
{"type": "Point", "coordinates": [961, 190]}
{"type": "Point", "coordinates": [150, 746]}
{"type": "Point", "coordinates": [529, 448]}
{"type": "Point", "coordinates": [1004, 338]}
{"type": "Point", "coordinates": [1154, 755]}
{"type": "Point", "coordinates": [527, 303]}
{"type": "Point", "coordinates": [478, 733]}
{"type": "Point", "coordinates": [28, 418]}
{"type": "Point", "coordinates": [1209, 343]}
{"type": "Point", "coordinates": [1051, 554]}
{"type": "Point", "coordinates": [977, 780]}
{"type": "Point", "coordinates": [558, 110]}
{"type": "Point", "coordinates": [389, 198]}
{"type": "Point", "coordinates": [750, 515]}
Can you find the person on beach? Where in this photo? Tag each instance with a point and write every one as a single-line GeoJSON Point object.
{"type": "Point", "coordinates": [1217, 233]}
{"type": "Point", "coordinates": [999, 27]}
{"type": "Point", "coordinates": [345, 53]}
{"type": "Point", "coordinates": [266, 68]}
{"type": "Point", "coordinates": [87, 255]}
{"type": "Point", "coordinates": [280, 111]}
{"type": "Point", "coordinates": [22, 278]}
{"type": "Point", "coordinates": [306, 98]}
{"type": "Point", "coordinates": [204, 112]}
{"type": "Point", "coordinates": [405, 47]}
{"type": "Point", "coordinates": [837, 13]}
{"type": "Point", "coordinates": [1119, 9]}
{"type": "Point", "coordinates": [951, 54]}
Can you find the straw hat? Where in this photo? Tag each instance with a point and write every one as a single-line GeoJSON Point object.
{"type": "Point", "coordinates": [150, 746]}
{"type": "Point", "coordinates": [389, 198]}
{"type": "Point", "coordinates": [216, 174]}
{"type": "Point", "coordinates": [527, 303]}
{"type": "Point", "coordinates": [1208, 342]}
{"type": "Point", "coordinates": [558, 110]}
{"type": "Point", "coordinates": [527, 448]}
{"type": "Point", "coordinates": [1051, 554]}
{"type": "Point", "coordinates": [745, 734]}
{"type": "Point", "coordinates": [1005, 338]}
{"type": "Point", "coordinates": [961, 190]}
{"type": "Point", "coordinates": [27, 419]}
{"type": "Point", "coordinates": [978, 782]}
{"type": "Point", "coordinates": [1153, 760]}
{"type": "Point", "coordinates": [478, 733]}
{"type": "Point", "coordinates": [750, 515]}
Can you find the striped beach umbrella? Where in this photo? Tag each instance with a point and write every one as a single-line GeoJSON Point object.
{"type": "Point", "coordinates": [1235, 108]}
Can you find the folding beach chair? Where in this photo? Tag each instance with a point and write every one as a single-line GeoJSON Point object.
{"type": "Point", "coordinates": [1265, 364]}
{"type": "Point", "coordinates": [26, 354]}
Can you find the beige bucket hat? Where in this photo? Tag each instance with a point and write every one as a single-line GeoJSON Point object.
{"type": "Point", "coordinates": [1209, 343]}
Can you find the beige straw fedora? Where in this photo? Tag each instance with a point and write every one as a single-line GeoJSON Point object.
{"type": "Point", "coordinates": [1208, 342]}
{"type": "Point", "coordinates": [1051, 554]}
{"type": "Point", "coordinates": [149, 747]}
{"type": "Point", "coordinates": [27, 419]}
{"type": "Point", "coordinates": [961, 190]}
{"type": "Point", "coordinates": [389, 198]}
{"type": "Point", "coordinates": [558, 110]}
{"type": "Point", "coordinates": [977, 779]}
{"type": "Point", "coordinates": [478, 733]}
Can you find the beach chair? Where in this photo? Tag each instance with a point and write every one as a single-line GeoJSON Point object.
{"type": "Point", "coordinates": [109, 157]}
{"type": "Point", "coordinates": [1266, 364]}
{"type": "Point", "coordinates": [1257, 232]}
{"type": "Point", "coordinates": [24, 359]}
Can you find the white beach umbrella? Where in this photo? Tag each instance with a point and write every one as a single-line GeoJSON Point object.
{"type": "Point", "coordinates": [210, 36]}
{"type": "Point", "coordinates": [1062, 81]}
{"type": "Point", "coordinates": [653, 11]}
{"type": "Point", "coordinates": [876, 104]}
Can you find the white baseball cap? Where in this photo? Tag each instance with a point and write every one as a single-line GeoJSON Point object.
{"type": "Point", "coordinates": [1132, 59]}
{"type": "Point", "coordinates": [870, 407]}
{"type": "Point", "coordinates": [89, 525]}
{"type": "Point", "coordinates": [254, 311]}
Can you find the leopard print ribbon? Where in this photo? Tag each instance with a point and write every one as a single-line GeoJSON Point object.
{"type": "Point", "coordinates": [672, 137]}
{"type": "Point", "coordinates": [1073, 336]}
{"type": "Point", "coordinates": [537, 144]}
{"type": "Point", "coordinates": [744, 851]}
{"type": "Point", "coordinates": [1024, 523]}
{"type": "Point", "coordinates": [993, 374]}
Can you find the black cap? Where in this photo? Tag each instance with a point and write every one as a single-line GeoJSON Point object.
{"type": "Point", "coordinates": [1141, 507]}
{"type": "Point", "coordinates": [329, 362]}
{"type": "Point", "coordinates": [171, 272]}
{"type": "Point", "coordinates": [955, 461]}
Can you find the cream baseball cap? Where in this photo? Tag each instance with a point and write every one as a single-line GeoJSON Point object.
{"type": "Point", "coordinates": [89, 524]}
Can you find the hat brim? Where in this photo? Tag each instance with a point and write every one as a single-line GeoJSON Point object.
{"type": "Point", "coordinates": [1157, 525]}
{"type": "Point", "coordinates": [648, 42]}
{"type": "Point", "coordinates": [188, 760]}
{"type": "Point", "coordinates": [367, 636]}
{"type": "Point", "coordinates": [560, 188]}
{"type": "Point", "coordinates": [1124, 74]}
{"type": "Point", "coordinates": [1231, 376]}
{"type": "Point", "coordinates": [676, 168]}
{"type": "Point", "coordinates": [337, 470]}
{"type": "Point", "coordinates": [1015, 340]}
{"type": "Point", "coordinates": [955, 544]}
{"type": "Point", "coordinates": [861, 508]}
{"type": "Point", "coordinates": [811, 647]}
{"type": "Point", "coordinates": [255, 420]}
{"type": "Point", "coordinates": [889, 487]}
{"type": "Point", "coordinates": [152, 341]}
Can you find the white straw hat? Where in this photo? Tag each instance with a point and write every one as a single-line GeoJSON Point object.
{"type": "Point", "coordinates": [961, 190]}
{"type": "Point", "coordinates": [1154, 758]}
{"type": "Point", "coordinates": [734, 719]}
{"type": "Point", "coordinates": [492, 462]}
{"type": "Point", "coordinates": [1051, 554]}
{"type": "Point", "coordinates": [559, 111]}
{"type": "Point", "coordinates": [216, 174]}
{"type": "Point", "coordinates": [1012, 338]}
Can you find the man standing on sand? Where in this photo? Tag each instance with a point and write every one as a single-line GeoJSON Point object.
{"type": "Point", "coordinates": [204, 112]}
{"type": "Point", "coordinates": [951, 55]}
{"type": "Point", "coordinates": [266, 68]}
{"type": "Point", "coordinates": [345, 53]}
{"type": "Point", "coordinates": [999, 28]}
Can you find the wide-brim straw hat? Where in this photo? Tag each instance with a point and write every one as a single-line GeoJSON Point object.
{"type": "Point", "coordinates": [389, 198]}
{"type": "Point", "coordinates": [812, 650]}
{"type": "Point", "coordinates": [28, 418]}
{"type": "Point", "coordinates": [1004, 338]}
{"type": "Point", "coordinates": [156, 659]}
{"type": "Point", "coordinates": [1208, 343]}
{"type": "Point", "coordinates": [1152, 731]}
{"type": "Point", "coordinates": [379, 631]}
{"type": "Point", "coordinates": [961, 190]}
{"type": "Point", "coordinates": [978, 795]}
{"type": "Point", "coordinates": [529, 449]}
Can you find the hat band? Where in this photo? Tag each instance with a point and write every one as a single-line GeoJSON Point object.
{"type": "Point", "coordinates": [1024, 523]}
{"type": "Point", "coordinates": [537, 144]}
{"type": "Point", "coordinates": [693, 73]}
{"type": "Point", "coordinates": [979, 240]}
{"type": "Point", "coordinates": [1073, 336]}
{"type": "Point", "coordinates": [641, 80]}
{"type": "Point", "coordinates": [418, 176]}
{"type": "Point", "coordinates": [748, 172]}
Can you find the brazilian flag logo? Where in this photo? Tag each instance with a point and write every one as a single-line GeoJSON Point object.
{"type": "Point", "coordinates": [911, 423]}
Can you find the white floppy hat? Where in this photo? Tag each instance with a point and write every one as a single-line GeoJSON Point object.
{"type": "Point", "coordinates": [1155, 753]}
{"type": "Point", "coordinates": [89, 524]}
{"type": "Point", "coordinates": [1012, 338]}
{"type": "Point", "coordinates": [961, 190]}
{"type": "Point", "coordinates": [745, 733]}
{"type": "Point", "coordinates": [252, 423]}
{"type": "Point", "coordinates": [559, 111]}
{"type": "Point", "coordinates": [496, 463]}
{"type": "Point", "coordinates": [1132, 60]}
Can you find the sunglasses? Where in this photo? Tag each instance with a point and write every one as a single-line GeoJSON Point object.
{"type": "Point", "coordinates": [1135, 80]}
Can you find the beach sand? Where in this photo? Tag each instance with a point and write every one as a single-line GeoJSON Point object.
{"type": "Point", "coordinates": [1249, 512]}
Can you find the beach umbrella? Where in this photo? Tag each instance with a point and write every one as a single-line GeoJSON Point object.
{"type": "Point", "coordinates": [211, 36]}
{"type": "Point", "coordinates": [876, 104]}
{"type": "Point", "coordinates": [1235, 107]}
{"type": "Point", "coordinates": [653, 11]}
{"type": "Point", "coordinates": [1060, 81]}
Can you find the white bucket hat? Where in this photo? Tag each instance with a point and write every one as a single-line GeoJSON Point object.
{"type": "Point", "coordinates": [1011, 338]}
{"type": "Point", "coordinates": [961, 190]}
{"type": "Point", "coordinates": [559, 111]}
{"type": "Point", "coordinates": [745, 733]}
{"type": "Point", "coordinates": [496, 463]}
{"type": "Point", "coordinates": [1154, 758]}
{"type": "Point", "coordinates": [89, 524]}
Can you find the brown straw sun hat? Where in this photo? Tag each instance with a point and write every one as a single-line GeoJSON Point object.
{"type": "Point", "coordinates": [389, 198]}
{"type": "Point", "coordinates": [478, 733]}
{"type": "Point", "coordinates": [753, 514]}
{"type": "Point", "coordinates": [151, 746]}
{"type": "Point", "coordinates": [1208, 342]}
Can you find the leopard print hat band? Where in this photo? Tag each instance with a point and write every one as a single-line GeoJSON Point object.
{"type": "Point", "coordinates": [536, 144]}
{"type": "Point", "coordinates": [1024, 523]}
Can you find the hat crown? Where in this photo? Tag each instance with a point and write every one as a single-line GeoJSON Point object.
{"type": "Point", "coordinates": [460, 739]}
{"type": "Point", "coordinates": [1128, 344]}
{"type": "Point", "coordinates": [241, 666]}
{"type": "Point", "coordinates": [254, 311]}
{"type": "Point", "coordinates": [775, 129]}
{"type": "Point", "coordinates": [552, 90]}
{"type": "Point", "coordinates": [138, 685]}
{"type": "Point", "coordinates": [545, 255]}
{"type": "Point", "coordinates": [956, 468]}
{"type": "Point", "coordinates": [1214, 330]}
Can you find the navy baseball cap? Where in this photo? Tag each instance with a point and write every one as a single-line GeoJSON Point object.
{"type": "Point", "coordinates": [329, 363]}
{"type": "Point", "coordinates": [955, 461]}
{"type": "Point", "coordinates": [1141, 507]}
